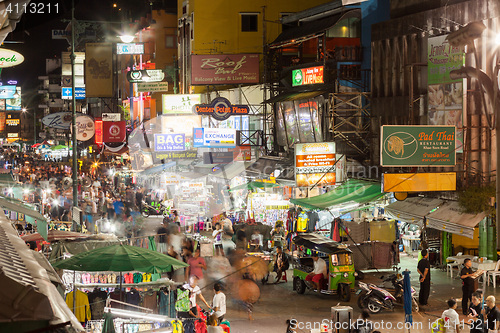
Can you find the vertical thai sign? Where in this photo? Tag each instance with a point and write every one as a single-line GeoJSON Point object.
{"type": "Point", "coordinates": [99, 69]}
{"type": "Point", "coordinates": [446, 96]}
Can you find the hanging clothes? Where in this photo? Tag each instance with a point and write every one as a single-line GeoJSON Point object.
{"type": "Point", "coordinates": [313, 220]}
{"type": "Point", "coordinates": [82, 305]}
{"type": "Point", "coordinates": [97, 300]}
{"type": "Point", "coordinates": [150, 301]}
{"type": "Point", "coordinates": [302, 221]}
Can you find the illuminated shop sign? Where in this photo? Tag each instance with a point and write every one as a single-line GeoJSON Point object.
{"type": "Point", "coordinates": [304, 76]}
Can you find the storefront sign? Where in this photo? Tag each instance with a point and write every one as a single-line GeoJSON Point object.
{"type": "Point", "coordinates": [9, 58]}
{"type": "Point", "coordinates": [214, 138]}
{"type": "Point", "coordinates": [66, 93]}
{"type": "Point", "coordinates": [311, 75]}
{"type": "Point", "coordinates": [221, 109]}
{"type": "Point", "coordinates": [59, 120]}
{"type": "Point", "coordinates": [14, 103]}
{"type": "Point", "coordinates": [98, 132]}
{"type": "Point", "coordinates": [98, 69]}
{"type": "Point", "coordinates": [419, 182]}
{"type": "Point", "coordinates": [430, 146]}
{"type": "Point", "coordinates": [129, 48]}
{"type": "Point", "coordinates": [182, 155]}
{"type": "Point", "coordinates": [7, 92]}
{"type": "Point", "coordinates": [445, 95]}
{"type": "Point", "coordinates": [315, 163]}
{"type": "Point", "coordinates": [224, 69]}
{"type": "Point", "coordinates": [2, 121]}
{"type": "Point", "coordinates": [145, 75]}
{"type": "Point", "coordinates": [114, 131]}
{"type": "Point", "coordinates": [170, 142]}
{"type": "Point", "coordinates": [111, 117]}
{"type": "Point", "coordinates": [152, 87]}
{"type": "Point", "coordinates": [85, 128]}
{"type": "Point", "coordinates": [177, 104]}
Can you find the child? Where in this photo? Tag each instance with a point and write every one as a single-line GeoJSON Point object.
{"type": "Point", "coordinates": [451, 318]}
{"type": "Point", "coordinates": [217, 235]}
{"type": "Point", "coordinates": [219, 303]}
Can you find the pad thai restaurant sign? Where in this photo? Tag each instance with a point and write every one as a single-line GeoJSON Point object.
{"type": "Point", "coordinates": [431, 146]}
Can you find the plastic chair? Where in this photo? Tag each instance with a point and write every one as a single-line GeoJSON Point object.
{"type": "Point", "coordinates": [207, 226]}
{"type": "Point", "coordinates": [284, 277]}
{"type": "Point", "coordinates": [451, 265]}
{"type": "Point", "coordinates": [494, 274]}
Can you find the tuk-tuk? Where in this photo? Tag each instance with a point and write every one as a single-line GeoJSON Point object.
{"type": "Point", "coordinates": [340, 266]}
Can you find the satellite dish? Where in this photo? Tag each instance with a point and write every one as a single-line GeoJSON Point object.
{"type": "Point", "coordinates": [67, 182]}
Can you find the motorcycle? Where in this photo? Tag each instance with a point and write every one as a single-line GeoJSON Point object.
{"type": "Point", "coordinates": [155, 208]}
{"type": "Point", "coordinates": [375, 298]}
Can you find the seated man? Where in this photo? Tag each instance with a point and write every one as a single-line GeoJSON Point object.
{"type": "Point", "coordinates": [318, 273]}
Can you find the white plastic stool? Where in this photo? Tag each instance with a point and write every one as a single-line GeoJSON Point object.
{"type": "Point", "coordinates": [208, 226]}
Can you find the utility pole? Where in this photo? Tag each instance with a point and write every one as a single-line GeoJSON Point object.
{"type": "Point", "coordinates": [73, 104]}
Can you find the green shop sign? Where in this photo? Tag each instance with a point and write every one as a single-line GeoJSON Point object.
{"type": "Point", "coordinates": [430, 146]}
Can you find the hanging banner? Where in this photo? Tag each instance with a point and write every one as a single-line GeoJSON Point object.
{"type": "Point", "coordinates": [85, 128]}
{"type": "Point", "coordinates": [114, 131]}
{"type": "Point", "coordinates": [446, 96]}
{"type": "Point", "coordinates": [98, 69]}
{"type": "Point", "coordinates": [224, 69]}
{"type": "Point", "coordinates": [315, 163]}
{"type": "Point", "coordinates": [412, 146]}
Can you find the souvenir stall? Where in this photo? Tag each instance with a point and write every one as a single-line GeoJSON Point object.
{"type": "Point", "coordinates": [103, 270]}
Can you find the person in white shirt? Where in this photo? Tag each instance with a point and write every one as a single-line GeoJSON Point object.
{"type": "Point", "coordinates": [451, 318]}
{"type": "Point", "coordinates": [194, 292]}
{"type": "Point", "coordinates": [217, 235]}
{"type": "Point", "coordinates": [318, 273]}
{"type": "Point", "coordinates": [219, 303]}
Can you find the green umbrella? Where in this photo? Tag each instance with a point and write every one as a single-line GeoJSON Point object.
{"type": "Point", "coordinates": [253, 185]}
{"type": "Point", "coordinates": [121, 258]}
{"type": "Point", "coordinates": [60, 147]}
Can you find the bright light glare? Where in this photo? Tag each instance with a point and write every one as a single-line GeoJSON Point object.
{"type": "Point", "coordinates": [10, 190]}
{"type": "Point", "coordinates": [55, 202]}
{"type": "Point", "coordinates": [127, 38]}
{"type": "Point", "coordinates": [112, 228]}
{"type": "Point", "coordinates": [26, 191]}
{"type": "Point", "coordinates": [497, 39]}
{"type": "Point", "coordinates": [24, 109]}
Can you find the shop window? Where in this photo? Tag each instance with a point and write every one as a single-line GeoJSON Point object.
{"type": "Point", "coordinates": [249, 22]}
{"type": "Point", "coordinates": [170, 41]}
{"type": "Point", "coordinates": [346, 28]}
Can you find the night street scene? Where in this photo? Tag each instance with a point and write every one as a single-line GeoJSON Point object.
{"type": "Point", "coordinates": [210, 166]}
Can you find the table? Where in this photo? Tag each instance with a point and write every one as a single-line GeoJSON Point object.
{"type": "Point", "coordinates": [410, 243]}
{"type": "Point", "coordinates": [487, 265]}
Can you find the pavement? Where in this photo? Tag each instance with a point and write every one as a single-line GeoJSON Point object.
{"type": "Point", "coordinates": [279, 303]}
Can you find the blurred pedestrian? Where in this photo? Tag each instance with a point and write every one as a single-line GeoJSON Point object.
{"type": "Point", "coordinates": [218, 303]}
{"type": "Point", "coordinates": [217, 235]}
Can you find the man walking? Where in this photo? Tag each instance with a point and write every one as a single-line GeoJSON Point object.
{"type": "Point", "coordinates": [424, 269]}
{"type": "Point", "coordinates": [467, 285]}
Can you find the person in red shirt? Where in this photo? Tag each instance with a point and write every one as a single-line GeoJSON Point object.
{"type": "Point", "coordinates": [196, 265]}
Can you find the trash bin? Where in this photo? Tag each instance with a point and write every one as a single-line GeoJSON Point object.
{"type": "Point", "coordinates": [341, 319]}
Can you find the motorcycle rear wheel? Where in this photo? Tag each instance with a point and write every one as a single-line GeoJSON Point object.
{"type": "Point", "coordinates": [414, 305]}
{"type": "Point", "coordinates": [145, 213]}
{"type": "Point", "coordinates": [373, 308]}
{"type": "Point", "coordinates": [362, 303]}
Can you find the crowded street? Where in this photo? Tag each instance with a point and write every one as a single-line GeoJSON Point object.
{"type": "Point", "coordinates": [195, 166]}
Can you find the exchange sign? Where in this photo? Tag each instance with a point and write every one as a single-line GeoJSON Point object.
{"type": "Point", "coordinates": [214, 138]}
{"type": "Point", "coordinates": [430, 146]}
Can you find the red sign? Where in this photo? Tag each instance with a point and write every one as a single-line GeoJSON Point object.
{"type": "Point", "coordinates": [114, 131]}
{"type": "Point", "coordinates": [98, 132]}
{"type": "Point", "coordinates": [211, 69]}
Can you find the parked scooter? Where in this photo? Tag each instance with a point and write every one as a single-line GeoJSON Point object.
{"type": "Point", "coordinates": [155, 208]}
{"type": "Point", "coordinates": [375, 298]}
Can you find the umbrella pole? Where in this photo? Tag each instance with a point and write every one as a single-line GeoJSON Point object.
{"type": "Point", "coordinates": [74, 291]}
{"type": "Point", "coordinates": [121, 286]}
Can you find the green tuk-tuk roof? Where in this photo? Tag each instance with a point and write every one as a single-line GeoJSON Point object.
{"type": "Point", "coordinates": [320, 243]}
